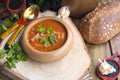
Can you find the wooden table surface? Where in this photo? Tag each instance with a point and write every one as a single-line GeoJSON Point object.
{"type": "Point", "coordinates": [102, 51]}
{"type": "Point", "coordinates": [96, 52]}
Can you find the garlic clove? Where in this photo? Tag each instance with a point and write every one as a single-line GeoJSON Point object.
{"type": "Point", "coordinates": [64, 12]}
{"type": "Point", "coordinates": [105, 68]}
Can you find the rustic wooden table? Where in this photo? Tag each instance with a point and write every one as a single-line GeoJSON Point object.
{"type": "Point", "coordinates": [102, 51]}
{"type": "Point", "coordinates": [4, 77]}
{"type": "Point", "coordinates": [96, 52]}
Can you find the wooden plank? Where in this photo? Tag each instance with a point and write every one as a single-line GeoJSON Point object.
{"type": "Point", "coordinates": [115, 45]}
{"type": "Point", "coordinates": [10, 73]}
{"type": "Point", "coordinates": [4, 77]}
{"type": "Point", "coordinates": [97, 52]}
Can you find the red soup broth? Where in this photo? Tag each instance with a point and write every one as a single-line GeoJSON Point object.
{"type": "Point", "coordinates": [60, 35]}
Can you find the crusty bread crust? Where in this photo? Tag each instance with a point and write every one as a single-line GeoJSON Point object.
{"type": "Point", "coordinates": [101, 24]}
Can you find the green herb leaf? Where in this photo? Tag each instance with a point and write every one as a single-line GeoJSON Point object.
{"type": "Point", "coordinates": [47, 43]}
{"type": "Point", "coordinates": [16, 16]}
{"type": "Point", "coordinates": [6, 64]}
{"type": "Point", "coordinates": [4, 27]}
{"type": "Point", "coordinates": [41, 2]}
{"type": "Point", "coordinates": [7, 22]}
{"type": "Point", "coordinates": [23, 57]}
{"type": "Point", "coordinates": [15, 61]}
{"type": "Point", "coordinates": [50, 31]}
{"type": "Point", "coordinates": [52, 39]}
{"type": "Point", "coordinates": [43, 39]}
{"type": "Point", "coordinates": [1, 29]}
{"type": "Point", "coordinates": [10, 52]}
{"type": "Point", "coordinates": [13, 65]}
{"type": "Point", "coordinates": [2, 53]}
{"type": "Point", "coordinates": [9, 59]}
{"type": "Point", "coordinates": [17, 47]}
{"type": "Point", "coordinates": [13, 55]}
{"type": "Point", "coordinates": [41, 29]}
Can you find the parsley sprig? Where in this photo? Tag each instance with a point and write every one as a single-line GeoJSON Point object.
{"type": "Point", "coordinates": [13, 55]}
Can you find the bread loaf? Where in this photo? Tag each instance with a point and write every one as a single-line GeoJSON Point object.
{"type": "Point", "coordinates": [101, 24]}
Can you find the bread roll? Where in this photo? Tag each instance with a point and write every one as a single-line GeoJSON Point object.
{"type": "Point", "coordinates": [79, 8]}
{"type": "Point", "coordinates": [101, 24]}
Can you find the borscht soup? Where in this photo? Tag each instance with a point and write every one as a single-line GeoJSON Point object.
{"type": "Point", "coordinates": [47, 35]}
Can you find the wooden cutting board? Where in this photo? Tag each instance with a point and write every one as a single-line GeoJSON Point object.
{"type": "Point", "coordinates": [72, 67]}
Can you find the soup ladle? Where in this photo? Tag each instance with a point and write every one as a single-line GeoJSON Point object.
{"type": "Point", "coordinates": [28, 15]}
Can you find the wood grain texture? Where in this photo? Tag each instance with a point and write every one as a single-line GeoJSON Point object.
{"type": "Point", "coordinates": [115, 46]}
{"type": "Point", "coordinates": [97, 52]}
{"type": "Point", "coordinates": [4, 77]}
{"type": "Point", "coordinates": [10, 73]}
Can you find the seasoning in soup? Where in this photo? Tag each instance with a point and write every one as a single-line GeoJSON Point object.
{"type": "Point", "coordinates": [47, 35]}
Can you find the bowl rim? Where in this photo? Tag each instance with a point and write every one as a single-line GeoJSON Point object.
{"type": "Point", "coordinates": [59, 50]}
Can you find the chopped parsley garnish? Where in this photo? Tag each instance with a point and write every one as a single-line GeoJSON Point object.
{"type": "Point", "coordinates": [13, 55]}
{"type": "Point", "coordinates": [47, 43]}
{"type": "Point", "coordinates": [50, 38]}
{"type": "Point", "coordinates": [41, 29]}
{"type": "Point", "coordinates": [50, 31]}
{"type": "Point", "coordinates": [43, 39]}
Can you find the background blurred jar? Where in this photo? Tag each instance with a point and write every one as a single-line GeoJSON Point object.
{"type": "Point", "coordinates": [3, 10]}
{"type": "Point", "coordinates": [79, 8]}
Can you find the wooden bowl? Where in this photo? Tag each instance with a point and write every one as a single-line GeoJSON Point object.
{"type": "Point", "coordinates": [46, 56]}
